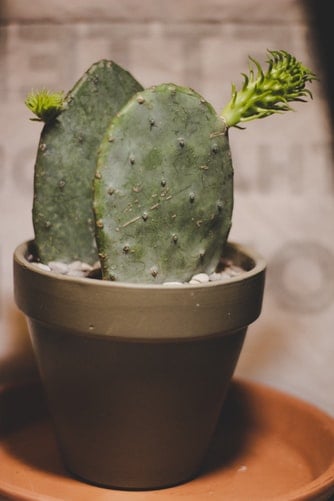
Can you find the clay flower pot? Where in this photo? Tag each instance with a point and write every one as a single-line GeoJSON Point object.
{"type": "Point", "coordinates": [136, 375]}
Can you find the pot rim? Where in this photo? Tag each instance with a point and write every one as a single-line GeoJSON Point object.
{"type": "Point", "coordinates": [141, 311]}
{"type": "Point", "coordinates": [253, 260]}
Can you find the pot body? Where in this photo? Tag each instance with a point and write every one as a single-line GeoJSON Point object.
{"type": "Point", "coordinates": [136, 376]}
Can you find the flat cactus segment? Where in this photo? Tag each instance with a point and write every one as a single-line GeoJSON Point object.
{"type": "Point", "coordinates": [62, 211]}
{"type": "Point", "coordinates": [163, 188]}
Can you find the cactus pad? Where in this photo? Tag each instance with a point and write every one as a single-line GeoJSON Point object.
{"type": "Point", "coordinates": [163, 188]}
{"type": "Point", "coordinates": [66, 160]}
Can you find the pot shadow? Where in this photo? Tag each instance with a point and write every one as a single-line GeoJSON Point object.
{"type": "Point", "coordinates": [234, 431]}
{"type": "Point", "coordinates": [21, 405]}
{"type": "Point", "coordinates": [27, 433]}
{"type": "Point", "coordinates": [17, 358]}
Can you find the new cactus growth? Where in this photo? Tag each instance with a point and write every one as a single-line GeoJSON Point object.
{"type": "Point", "coordinates": [163, 186]}
{"type": "Point", "coordinates": [45, 105]}
{"type": "Point", "coordinates": [264, 94]}
{"type": "Point", "coordinates": [62, 211]}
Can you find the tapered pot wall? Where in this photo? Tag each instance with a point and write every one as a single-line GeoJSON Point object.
{"type": "Point", "coordinates": [134, 414]}
{"type": "Point", "coordinates": [136, 376]}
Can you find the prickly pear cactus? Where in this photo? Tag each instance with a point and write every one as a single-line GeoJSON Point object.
{"type": "Point", "coordinates": [163, 188]}
{"type": "Point", "coordinates": [62, 210]}
{"type": "Point", "coordinates": [161, 196]}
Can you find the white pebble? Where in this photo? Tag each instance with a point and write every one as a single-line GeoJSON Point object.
{"type": "Point", "coordinates": [75, 265]}
{"type": "Point", "coordinates": [76, 273]}
{"type": "Point", "coordinates": [58, 267]}
{"type": "Point", "coordinates": [224, 275]}
{"type": "Point", "coordinates": [172, 284]}
{"type": "Point", "coordinates": [42, 266]}
{"type": "Point", "coordinates": [215, 277]}
{"type": "Point", "coordinates": [233, 271]}
{"type": "Point", "coordinates": [200, 278]}
{"type": "Point", "coordinates": [86, 267]}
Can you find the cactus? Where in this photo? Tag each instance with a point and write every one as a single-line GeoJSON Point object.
{"type": "Point", "coordinates": [151, 168]}
{"type": "Point", "coordinates": [62, 211]}
{"type": "Point", "coordinates": [164, 181]}
{"type": "Point", "coordinates": [163, 188]}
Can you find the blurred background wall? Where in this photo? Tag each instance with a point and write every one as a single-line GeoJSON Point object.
{"type": "Point", "coordinates": [284, 181]}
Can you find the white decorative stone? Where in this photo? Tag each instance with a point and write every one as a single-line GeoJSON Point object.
{"type": "Point", "coordinates": [215, 277]}
{"type": "Point", "coordinates": [75, 265]}
{"type": "Point", "coordinates": [172, 284]}
{"type": "Point", "coordinates": [42, 266]}
{"type": "Point", "coordinates": [58, 267]}
{"type": "Point", "coordinates": [86, 267]}
{"type": "Point", "coordinates": [233, 271]}
{"type": "Point", "coordinates": [76, 273]}
{"type": "Point", "coordinates": [200, 278]}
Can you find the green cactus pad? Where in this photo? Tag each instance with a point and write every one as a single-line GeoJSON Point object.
{"type": "Point", "coordinates": [163, 188]}
{"type": "Point", "coordinates": [62, 211]}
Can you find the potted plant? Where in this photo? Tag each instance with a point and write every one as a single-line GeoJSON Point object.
{"type": "Point", "coordinates": [136, 354]}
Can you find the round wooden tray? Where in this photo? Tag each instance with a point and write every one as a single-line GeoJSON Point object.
{"type": "Point", "coordinates": [268, 446]}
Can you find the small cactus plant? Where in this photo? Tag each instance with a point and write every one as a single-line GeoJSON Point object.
{"type": "Point", "coordinates": [146, 174]}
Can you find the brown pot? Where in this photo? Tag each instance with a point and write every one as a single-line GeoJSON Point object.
{"type": "Point", "coordinates": [136, 375]}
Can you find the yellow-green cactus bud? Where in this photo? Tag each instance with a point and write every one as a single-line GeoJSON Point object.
{"type": "Point", "coordinates": [44, 104]}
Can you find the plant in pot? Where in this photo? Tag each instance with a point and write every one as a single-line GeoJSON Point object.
{"type": "Point", "coordinates": [136, 354]}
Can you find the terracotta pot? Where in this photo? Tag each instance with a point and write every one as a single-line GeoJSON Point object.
{"type": "Point", "coordinates": [135, 376]}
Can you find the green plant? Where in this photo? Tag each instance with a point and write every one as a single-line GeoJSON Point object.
{"type": "Point", "coordinates": [65, 165]}
{"type": "Point", "coordinates": [162, 194]}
